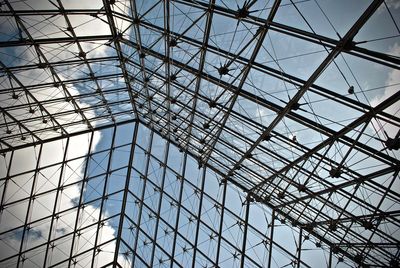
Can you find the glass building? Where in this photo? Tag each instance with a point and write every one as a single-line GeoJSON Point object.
{"type": "Point", "coordinates": [194, 133]}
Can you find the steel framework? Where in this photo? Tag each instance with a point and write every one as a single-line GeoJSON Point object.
{"type": "Point", "coordinates": [199, 133]}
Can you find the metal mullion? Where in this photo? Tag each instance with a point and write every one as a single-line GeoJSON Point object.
{"type": "Point", "coordinates": [296, 32]}
{"type": "Point", "coordinates": [201, 64]}
{"type": "Point", "coordinates": [148, 153]}
{"type": "Point", "coordinates": [169, 225]}
{"type": "Point", "coordinates": [70, 81]}
{"type": "Point", "coordinates": [155, 243]}
{"type": "Point", "coordinates": [314, 76]}
{"type": "Point", "coordinates": [56, 202]}
{"type": "Point", "coordinates": [68, 112]}
{"type": "Point", "coordinates": [271, 239]}
{"type": "Point", "coordinates": [215, 201]}
{"type": "Point", "coordinates": [61, 7]}
{"type": "Point", "coordinates": [29, 208]}
{"type": "Point", "coordinates": [53, 240]}
{"type": "Point", "coordinates": [125, 196]}
{"type": "Point", "coordinates": [198, 218]}
{"type": "Point", "coordinates": [299, 247]}
{"type": "Point", "coordinates": [179, 202]}
{"type": "Point", "coordinates": [80, 97]}
{"type": "Point", "coordinates": [83, 252]}
{"type": "Point", "coordinates": [366, 117]}
{"type": "Point", "coordinates": [52, 12]}
{"type": "Point", "coordinates": [104, 193]}
{"type": "Point", "coordinates": [167, 146]}
{"type": "Point", "coordinates": [88, 156]}
{"type": "Point", "coordinates": [195, 247]}
{"type": "Point", "coordinates": [18, 147]}
{"type": "Point", "coordinates": [60, 212]}
{"type": "Point", "coordinates": [139, 42]}
{"type": "Point", "coordinates": [7, 180]}
{"type": "Point", "coordinates": [269, 105]}
{"type": "Point", "coordinates": [221, 222]}
{"type": "Point", "coordinates": [246, 222]}
{"type": "Point", "coordinates": [282, 76]}
{"type": "Point", "coordinates": [62, 63]}
{"type": "Point", "coordinates": [56, 40]}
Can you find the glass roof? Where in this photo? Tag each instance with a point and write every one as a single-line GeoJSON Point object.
{"type": "Point", "coordinates": [295, 104]}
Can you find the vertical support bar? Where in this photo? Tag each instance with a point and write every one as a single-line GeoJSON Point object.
{"type": "Point", "coordinates": [330, 258]}
{"type": "Point", "coordinates": [246, 221]}
{"type": "Point", "coordinates": [125, 196]}
{"type": "Point", "coordinates": [142, 197]}
{"type": "Point", "coordinates": [80, 198]}
{"type": "Point", "coordinates": [56, 202]}
{"type": "Point", "coordinates": [271, 238]}
{"type": "Point", "coordinates": [221, 222]}
{"type": "Point", "coordinates": [179, 207]}
{"type": "Point", "coordinates": [299, 247]}
{"type": "Point", "coordinates": [160, 202]}
{"type": "Point", "coordinates": [5, 185]}
{"type": "Point", "coordinates": [203, 179]}
{"type": "Point", "coordinates": [28, 210]}
{"type": "Point", "coordinates": [104, 195]}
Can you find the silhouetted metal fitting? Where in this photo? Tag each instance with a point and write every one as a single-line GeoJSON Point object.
{"type": "Point", "coordinates": [172, 77]}
{"type": "Point", "coordinates": [267, 138]}
{"type": "Point", "coordinates": [367, 225]}
{"type": "Point", "coordinates": [393, 144]}
{"type": "Point", "coordinates": [281, 195]}
{"type": "Point", "coordinates": [295, 106]}
{"type": "Point", "coordinates": [174, 117]}
{"type": "Point", "coordinates": [335, 249]}
{"type": "Point", "coordinates": [42, 65]}
{"type": "Point", "coordinates": [318, 244]}
{"type": "Point", "coordinates": [142, 55]}
{"type": "Point", "coordinates": [82, 54]}
{"type": "Point", "coordinates": [302, 188]}
{"type": "Point", "coordinates": [242, 13]}
{"type": "Point", "coordinates": [358, 258]}
{"type": "Point", "coordinates": [333, 225]}
{"type": "Point", "coordinates": [173, 101]}
{"type": "Point", "coordinates": [32, 111]}
{"type": "Point", "coordinates": [335, 172]}
{"type": "Point", "coordinates": [212, 104]}
{"type": "Point", "coordinates": [15, 96]}
{"type": "Point", "coordinates": [112, 2]}
{"type": "Point", "coordinates": [202, 141]}
{"type": "Point", "coordinates": [351, 90]}
{"type": "Point", "coordinates": [136, 20]}
{"type": "Point", "coordinates": [173, 42]}
{"type": "Point", "coordinates": [394, 263]}
{"type": "Point", "coordinates": [248, 155]}
{"type": "Point", "coordinates": [223, 70]}
{"type": "Point", "coordinates": [69, 28]}
{"type": "Point", "coordinates": [250, 198]}
{"type": "Point", "coordinates": [8, 131]}
{"type": "Point", "coordinates": [146, 79]}
{"type": "Point", "coordinates": [206, 125]}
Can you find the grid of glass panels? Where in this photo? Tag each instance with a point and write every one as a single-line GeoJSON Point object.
{"type": "Point", "coordinates": [293, 102]}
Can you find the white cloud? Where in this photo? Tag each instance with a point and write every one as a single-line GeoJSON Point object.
{"type": "Point", "coordinates": [393, 78]}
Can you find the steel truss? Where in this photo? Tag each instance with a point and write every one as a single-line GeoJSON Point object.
{"type": "Point", "coordinates": [211, 80]}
